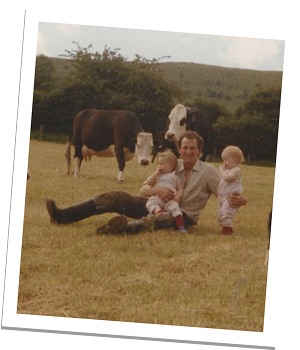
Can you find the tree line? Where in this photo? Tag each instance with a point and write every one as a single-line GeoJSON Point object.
{"type": "Point", "coordinates": [107, 80]}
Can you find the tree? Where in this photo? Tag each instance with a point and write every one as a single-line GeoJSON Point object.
{"type": "Point", "coordinates": [251, 133]}
{"type": "Point", "coordinates": [44, 79]}
{"type": "Point", "coordinates": [212, 110]}
{"type": "Point", "coordinates": [117, 84]}
{"type": "Point", "coordinates": [266, 102]}
{"type": "Point", "coordinates": [44, 83]}
{"type": "Point", "coordinates": [107, 81]}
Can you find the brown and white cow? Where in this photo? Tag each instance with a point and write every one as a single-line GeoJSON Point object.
{"type": "Point", "coordinates": [108, 133]}
{"type": "Point", "coordinates": [184, 118]}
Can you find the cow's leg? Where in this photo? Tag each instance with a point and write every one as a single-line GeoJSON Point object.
{"type": "Point", "coordinates": [77, 167]}
{"type": "Point", "coordinates": [154, 153]}
{"type": "Point", "coordinates": [119, 150]}
{"type": "Point", "coordinates": [120, 176]}
{"type": "Point", "coordinates": [78, 159]}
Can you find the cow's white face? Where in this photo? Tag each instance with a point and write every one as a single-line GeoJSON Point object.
{"type": "Point", "coordinates": [143, 148]}
{"type": "Point", "coordinates": [177, 126]}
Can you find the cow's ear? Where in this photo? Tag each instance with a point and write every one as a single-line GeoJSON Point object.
{"type": "Point", "coordinates": [182, 121]}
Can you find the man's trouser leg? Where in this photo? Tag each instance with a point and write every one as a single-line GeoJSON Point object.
{"type": "Point", "coordinates": [122, 203]}
{"type": "Point", "coordinates": [111, 202]}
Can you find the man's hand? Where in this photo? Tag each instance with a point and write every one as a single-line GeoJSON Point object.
{"type": "Point", "coordinates": [237, 200]}
{"type": "Point", "coordinates": [176, 199]}
{"type": "Point", "coordinates": [165, 194]}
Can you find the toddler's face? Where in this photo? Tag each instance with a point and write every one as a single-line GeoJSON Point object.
{"type": "Point", "coordinates": [164, 166]}
{"type": "Point", "coordinates": [229, 161]}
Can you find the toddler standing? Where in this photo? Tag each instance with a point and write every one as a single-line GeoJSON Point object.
{"type": "Point", "coordinates": [231, 183]}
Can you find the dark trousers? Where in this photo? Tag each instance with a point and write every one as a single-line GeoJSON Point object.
{"type": "Point", "coordinates": [122, 203]}
{"type": "Point", "coordinates": [125, 204]}
{"type": "Point", "coordinates": [119, 202]}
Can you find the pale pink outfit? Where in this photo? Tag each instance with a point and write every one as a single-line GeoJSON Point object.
{"type": "Point", "coordinates": [226, 188]}
{"type": "Point", "coordinates": [169, 181]}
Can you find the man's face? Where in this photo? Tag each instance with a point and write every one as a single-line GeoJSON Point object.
{"type": "Point", "coordinates": [189, 151]}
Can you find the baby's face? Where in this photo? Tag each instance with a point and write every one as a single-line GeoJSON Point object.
{"type": "Point", "coordinates": [164, 166]}
{"type": "Point", "coordinates": [229, 161]}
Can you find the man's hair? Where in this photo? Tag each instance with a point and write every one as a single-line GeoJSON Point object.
{"type": "Point", "coordinates": [233, 151]}
{"type": "Point", "coordinates": [170, 158]}
{"type": "Point", "coordinates": [191, 135]}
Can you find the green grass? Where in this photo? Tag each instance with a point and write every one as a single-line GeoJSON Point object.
{"type": "Point", "coordinates": [199, 279]}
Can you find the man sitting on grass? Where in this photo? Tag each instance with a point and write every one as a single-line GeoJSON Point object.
{"type": "Point", "coordinates": [199, 181]}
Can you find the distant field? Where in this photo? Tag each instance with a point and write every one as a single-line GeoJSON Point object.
{"type": "Point", "coordinates": [199, 279]}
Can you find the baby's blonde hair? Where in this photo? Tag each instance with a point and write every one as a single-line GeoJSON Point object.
{"type": "Point", "coordinates": [233, 151]}
{"type": "Point", "coordinates": [169, 157]}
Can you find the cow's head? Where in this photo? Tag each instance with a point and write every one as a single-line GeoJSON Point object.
{"type": "Point", "coordinates": [177, 123]}
{"type": "Point", "coordinates": [143, 148]}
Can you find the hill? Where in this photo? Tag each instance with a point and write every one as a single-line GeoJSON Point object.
{"type": "Point", "coordinates": [229, 87]}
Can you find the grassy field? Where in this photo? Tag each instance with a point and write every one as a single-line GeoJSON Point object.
{"type": "Point", "coordinates": [199, 279]}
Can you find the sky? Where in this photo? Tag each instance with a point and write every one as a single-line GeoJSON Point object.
{"type": "Point", "coordinates": [217, 50]}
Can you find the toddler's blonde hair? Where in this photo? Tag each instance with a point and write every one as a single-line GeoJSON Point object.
{"type": "Point", "coordinates": [234, 152]}
{"type": "Point", "coordinates": [170, 158]}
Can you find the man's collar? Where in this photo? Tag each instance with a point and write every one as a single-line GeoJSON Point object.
{"type": "Point", "coordinates": [180, 166]}
{"type": "Point", "coordinates": [197, 166]}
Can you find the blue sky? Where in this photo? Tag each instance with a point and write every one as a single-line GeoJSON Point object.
{"type": "Point", "coordinates": [225, 51]}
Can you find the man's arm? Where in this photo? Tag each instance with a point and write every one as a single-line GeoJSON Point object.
{"type": "Point", "coordinates": [179, 190]}
{"type": "Point", "coordinates": [165, 194]}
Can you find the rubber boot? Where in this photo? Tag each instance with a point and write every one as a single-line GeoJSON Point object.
{"type": "Point", "coordinates": [115, 225]}
{"type": "Point", "coordinates": [70, 214]}
{"type": "Point", "coordinates": [137, 226]}
{"type": "Point", "coordinates": [120, 225]}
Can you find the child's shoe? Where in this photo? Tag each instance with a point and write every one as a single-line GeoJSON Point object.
{"type": "Point", "coordinates": [182, 229]}
{"type": "Point", "coordinates": [226, 230]}
{"type": "Point", "coordinates": [161, 215]}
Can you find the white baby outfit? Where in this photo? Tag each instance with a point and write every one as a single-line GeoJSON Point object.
{"type": "Point", "coordinates": [226, 188]}
{"type": "Point", "coordinates": [169, 181]}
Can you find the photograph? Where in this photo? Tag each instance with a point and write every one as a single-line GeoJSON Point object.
{"type": "Point", "coordinates": [152, 160]}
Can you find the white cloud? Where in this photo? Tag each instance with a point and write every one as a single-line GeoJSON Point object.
{"type": "Point", "coordinates": [249, 53]}
{"type": "Point", "coordinates": [41, 44]}
{"type": "Point", "coordinates": [68, 30]}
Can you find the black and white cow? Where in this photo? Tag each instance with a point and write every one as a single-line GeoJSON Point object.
{"type": "Point", "coordinates": [184, 118]}
{"type": "Point", "coordinates": [108, 133]}
{"type": "Point", "coordinates": [161, 144]}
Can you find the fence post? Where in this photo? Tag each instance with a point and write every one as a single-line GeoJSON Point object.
{"type": "Point", "coordinates": [41, 132]}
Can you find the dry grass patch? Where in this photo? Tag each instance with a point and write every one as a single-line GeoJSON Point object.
{"type": "Point", "coordinates": [199, 279]}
